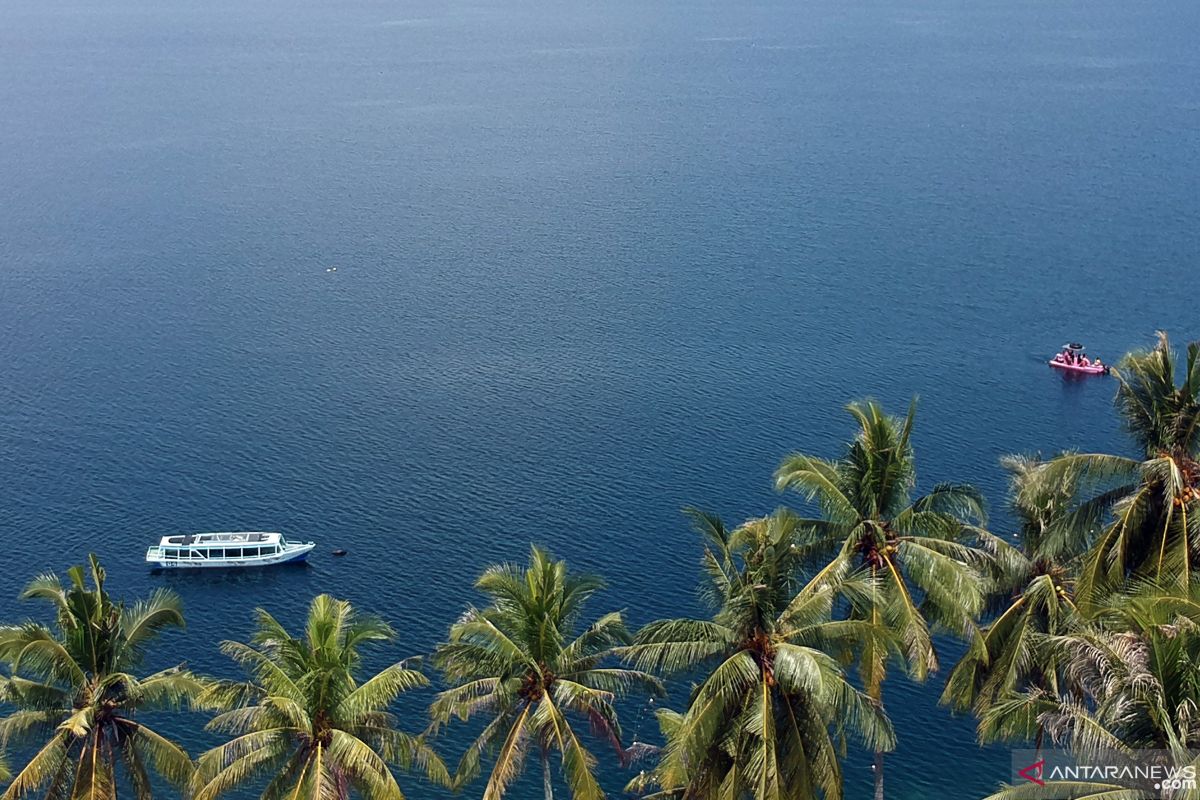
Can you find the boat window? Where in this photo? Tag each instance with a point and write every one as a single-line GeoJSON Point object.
{"type": "Point", "coordinates": [270, 550]}
{"type": "Point", "coordinates": [195, 554]}
{"type": "Point", "coordinates": [235, 552]}
{"type": "Point", "coordinates": [251, 552]}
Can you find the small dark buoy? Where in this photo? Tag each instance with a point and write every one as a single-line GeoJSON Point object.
{"type": "Point", "coordinates": [339, 552]}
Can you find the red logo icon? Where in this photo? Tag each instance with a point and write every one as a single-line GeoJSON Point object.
{"type": "Point", "coordinates": [1033, 772]}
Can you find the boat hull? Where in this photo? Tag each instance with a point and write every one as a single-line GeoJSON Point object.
{"type": "Point", "coordinates": [293, 555]}
{"type": "Point", "coordinates": [1089, 370]}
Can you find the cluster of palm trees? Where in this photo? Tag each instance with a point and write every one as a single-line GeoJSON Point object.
{"type": "Point", "coordinates": [305, 723]}
{"type": "Point", "coordinates": [1084, 634]}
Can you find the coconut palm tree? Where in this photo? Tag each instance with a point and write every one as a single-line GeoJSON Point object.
{"type": "Point", "coordinates": [305, 722]}
{"type": "Point", "coordinates": [924, 556]}
{"type": "Point", "coordinates": [767, 718]}
{"type": "Point", "coordinates": [1130, 692]}
{"type": "Point", "coordinates": [521, 662]}
{"type": "Point", "coordinates": [1006, 660]}
{"type": "Point", "coordinates": [1140, 515]}
{"type": "Point", "coordinates": [77, 698]}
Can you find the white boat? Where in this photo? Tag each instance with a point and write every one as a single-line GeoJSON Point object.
{"type": "Point", "coordinates": [242, 549]}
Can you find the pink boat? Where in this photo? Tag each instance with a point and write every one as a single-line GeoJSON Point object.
{"type": "Point", "coordinates": [1073, 359]}
{"type": "Point", "coordinates": [1088, 370]}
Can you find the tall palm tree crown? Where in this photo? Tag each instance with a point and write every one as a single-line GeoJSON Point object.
{"type": "Point", "coordinates": [305, 722]}
{"type": "Point", "coordinates": [521, 662]}
{"type": "Point", "coordinates": [870, 520]}
{"type": "Point", "coordinates": [925, 556]}
{"type": "Point", "coordinates": [75, 692]}
{"type": "Point", "coordinates": [768, 718]}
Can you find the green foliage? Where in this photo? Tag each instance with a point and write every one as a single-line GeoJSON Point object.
{"type": "Point", "coordinates": [76, 698]}
{"type": "Point", "coordinates": [304, 723]}
{"type": "Point", "coordinates": [1139, 518]}
{"type": "Point", "coordinates": [1097, 649]}
{"type": "Point", "coordinates": [1130, 684]}
{"type": "Point", "coordinates": [1008, 657]}
{"type": "Point", "coordinates": [521, 663]}
{"type": "Point", "coordinates": [926, 556]}
{"type": "Point", "coordinates": [769, 716]}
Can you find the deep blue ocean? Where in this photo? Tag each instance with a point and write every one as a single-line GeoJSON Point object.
{"type": "Point", "coordinates": [595, 262]}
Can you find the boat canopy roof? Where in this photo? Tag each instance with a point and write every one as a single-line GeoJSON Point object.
{"type": "Point", "coordinates": [1073, 346]}
{"type": "Point", "coordinates": [243, 537]}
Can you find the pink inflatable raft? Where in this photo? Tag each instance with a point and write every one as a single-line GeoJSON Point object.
{"type": "Point", "coordinates": [1073, 359]}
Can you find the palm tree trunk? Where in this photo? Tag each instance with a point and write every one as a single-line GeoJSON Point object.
{"type": "Point", "coordinates": [547, 781]}
{"type": "Point", "coordinates": [876, 693]}
{"type": "Point", "coordinates": [878, 775]}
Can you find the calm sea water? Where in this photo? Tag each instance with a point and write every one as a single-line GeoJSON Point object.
{"type": "Point", "coordinates": [595, 262]}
